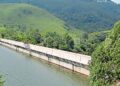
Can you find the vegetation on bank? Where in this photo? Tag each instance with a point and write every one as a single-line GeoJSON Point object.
{"type": "Point", "coordinates": [86, 43]}
{"type": "Point", "coordinates": [105, 66]}
{"type": "Point", "coordinates": [89, 41]}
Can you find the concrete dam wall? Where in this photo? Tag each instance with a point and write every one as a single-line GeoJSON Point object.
{"type": "Point", "coordinates": [73, 61]}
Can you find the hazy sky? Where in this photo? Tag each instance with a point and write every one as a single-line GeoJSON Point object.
{"type": "Point", "coordinates": [117, 1]}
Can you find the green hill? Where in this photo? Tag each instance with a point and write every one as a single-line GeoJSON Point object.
{"type": "Point", "coordinates": [87, 15]}
{"type": "Point", "coordinates": [27, 16]}
{"type": "Point", "coordinates": [24, 16]}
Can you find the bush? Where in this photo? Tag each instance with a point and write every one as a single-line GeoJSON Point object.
{"type": "Point", "coordinates": [105, 66]}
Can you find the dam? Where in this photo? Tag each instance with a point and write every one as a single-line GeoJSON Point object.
{"type": "Point", "coordinates": [73, 61]}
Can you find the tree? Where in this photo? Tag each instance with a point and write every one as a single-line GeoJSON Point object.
{"type": "Point", "coordinates": [105, 65]}
{"type": "Point", "coordinates": [1, 81]}
{"type": "Point", "coordinates": [68, 41]}
{"type": "Point", "coordinates": [52, 39]}
{"type": "Point", "coordinates": [33, 36]}
{"type": "Point", "coordinates": [88, 42]}
{"type": "Point", "coordinates": [2, 32]}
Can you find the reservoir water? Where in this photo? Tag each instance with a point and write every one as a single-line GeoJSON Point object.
{"type": "Point", "coordinates": [20, 69]}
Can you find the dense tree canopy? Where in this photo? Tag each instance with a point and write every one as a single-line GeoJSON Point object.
{"type": "Point", "coordinates": [88, 42]}
{"type": "Point", "coordinates": [105, 66]}
{"type": "Point", "coordinates": [85, 45]}
{"type": "Point", "coordinates": [33, 36]}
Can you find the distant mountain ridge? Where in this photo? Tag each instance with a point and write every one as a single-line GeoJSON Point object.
{"type": "Point", "coordinates": [103, 0]}
{"type": "Point", "coordinates": [87, 15]}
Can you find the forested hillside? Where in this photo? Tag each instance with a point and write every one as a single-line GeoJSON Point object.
{"type": "Point", "coordinates": [24, 16]}
{"type": "Point", "coordinates": [105, 67]}
{"type": "Point", "coordinates": [87, 15]}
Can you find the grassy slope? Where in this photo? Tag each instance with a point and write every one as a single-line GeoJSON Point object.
{"type": "Point", "coordinates": [33, 17]}
{"type": "Point", "coordinates": [30, 16]}
{"type": "Point", "coordinates": [87, 15]}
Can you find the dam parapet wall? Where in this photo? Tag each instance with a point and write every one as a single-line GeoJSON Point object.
{"type": "Point", "coordinates": [73, 61]}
